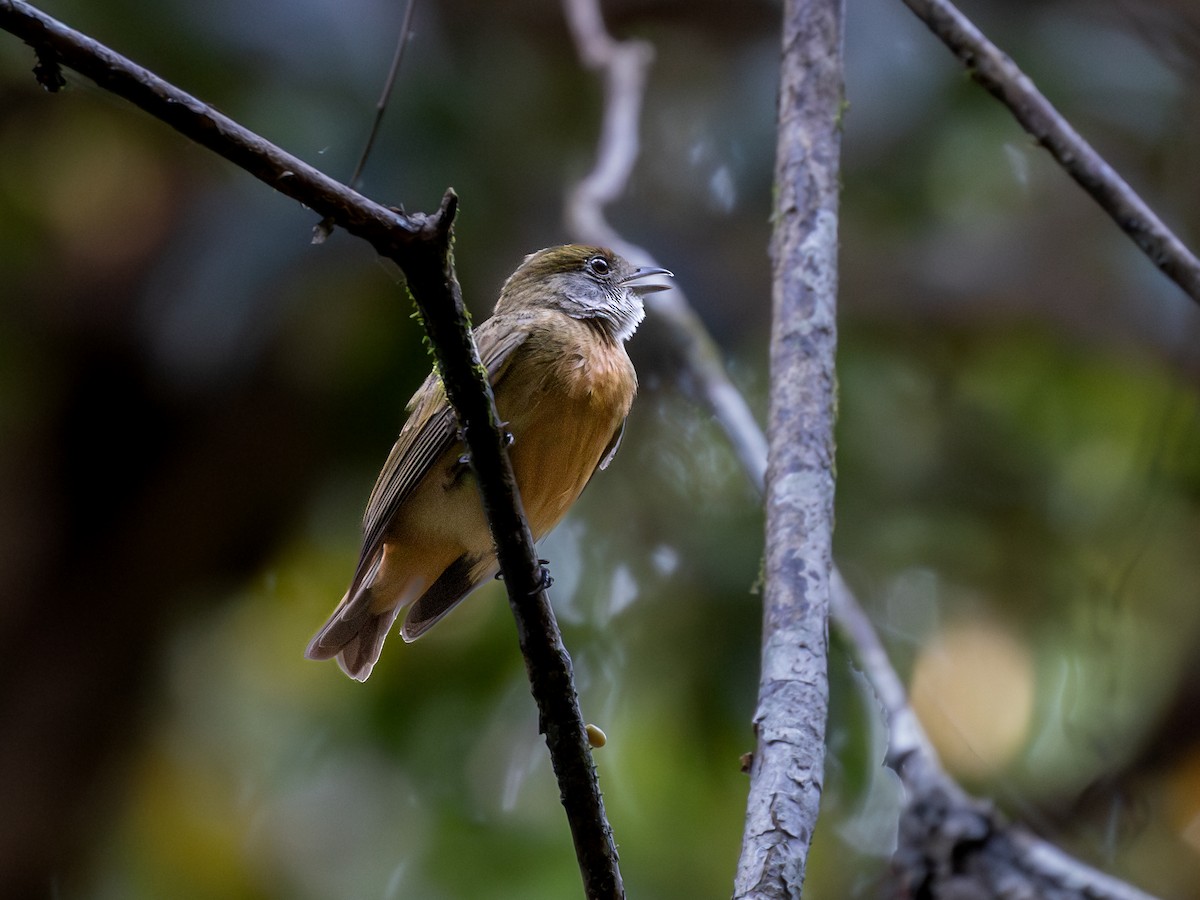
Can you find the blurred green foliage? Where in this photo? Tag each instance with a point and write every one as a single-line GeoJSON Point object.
{"type": "Point", "coordinates": [1017, 446]}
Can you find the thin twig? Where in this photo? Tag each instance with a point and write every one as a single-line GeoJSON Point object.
{"type": "Point", "coordinates": [388, 84]}
{"type": "Point", "coordinates": [993, 69]}
{"type": "Point", "coordinates": [420, 245]}
{"type": "Point", "coordinates": [325, 227]}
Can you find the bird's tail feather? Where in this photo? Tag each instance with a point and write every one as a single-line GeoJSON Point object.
{"type": "Point", "coordinates": [354, 634]}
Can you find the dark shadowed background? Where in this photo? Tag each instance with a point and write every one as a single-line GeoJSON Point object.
{"type": "Point", "coordinates": [194, 403]}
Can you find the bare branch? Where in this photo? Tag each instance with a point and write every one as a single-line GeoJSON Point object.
{"type": "Point", "coordinates": [950, 841]}
{"type": "Point", "coordinates": [623, 66]}
{"type": "Point", "coordinates": [547, 663]}
{"type": "Point", "coordinates": [421, 246]}
{"type": "Point", "coordinates": [385, 95]}
{"type": "Point", "coordinates": [787, 773]}
{"type": "Point", "coordinates": [993, 69]}
{"type": "Point", "coordinates": [325, 227]}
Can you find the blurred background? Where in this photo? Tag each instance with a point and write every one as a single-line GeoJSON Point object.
{"type": "Point", "coordinates": [195, 401]}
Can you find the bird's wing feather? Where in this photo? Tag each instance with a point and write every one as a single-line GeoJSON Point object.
{"type": "Point", "coordinates": [431, 429]}
{"type": "Point", "coordinates": [460, 578]}
{"type": "Point", "coordinates": [614, 444]}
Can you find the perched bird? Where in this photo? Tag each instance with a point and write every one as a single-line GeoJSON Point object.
{"type": "Point", "coordinates": [554, 350]}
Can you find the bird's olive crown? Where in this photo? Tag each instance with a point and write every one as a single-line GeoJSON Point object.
{"type": "Point", "coordinates": [582, 281]}
{"type": "Point", "coordinates": [598, 263]}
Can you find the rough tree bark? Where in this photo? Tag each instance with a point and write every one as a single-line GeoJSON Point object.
{"type": "Point", "coordinates": [788, 765]}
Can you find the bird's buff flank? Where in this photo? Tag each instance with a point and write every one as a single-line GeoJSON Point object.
{"type": "Point", "coordinates": [555, 352]}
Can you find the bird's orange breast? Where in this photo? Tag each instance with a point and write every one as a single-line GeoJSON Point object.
{"type": "Point", "coordinates": [564, 400]}
{"type": "Point", "coordinates": [563, 395]}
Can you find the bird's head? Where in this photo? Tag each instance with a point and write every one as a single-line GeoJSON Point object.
{"type": "Point", "coordinates": [583, 282]}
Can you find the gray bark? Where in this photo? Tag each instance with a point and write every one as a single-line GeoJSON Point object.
{"type": "Point", "coordinates": [788, 765]}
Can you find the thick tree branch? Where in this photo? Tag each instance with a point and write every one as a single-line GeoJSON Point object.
{"type": "Point", "coordinates": [787, 772]}
{"type": "Point", "coordinates": [421, 245]}
{"type": "Point", "coordinates": [942, 824]}
{"type": "Point", "coordinates": [993, 69]}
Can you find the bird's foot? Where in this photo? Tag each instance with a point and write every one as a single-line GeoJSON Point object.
{"type": "Point", "coordinates": [545, 579]}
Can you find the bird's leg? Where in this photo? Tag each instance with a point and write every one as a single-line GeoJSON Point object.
{"type": "Point", "coordinates": [465, 459]}
{"type": "Point", "coordinates": [545, 579]}
{"type": "Point", "coordinates": [507, 438]}
{"type": "Point", "coordinates": [508, 435]}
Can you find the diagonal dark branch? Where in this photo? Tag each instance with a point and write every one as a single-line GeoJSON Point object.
{"type": "Point", "coordinates": [547, 663]}
{"type": "Point", "coordinates": [993, 69]}
{"type": "Point", "coordinates": [421, 245]}
{"type": "Point", "coordinates": [56, 44]}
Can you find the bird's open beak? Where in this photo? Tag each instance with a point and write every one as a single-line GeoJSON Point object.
{"type": "Point", "coordinates": [646, 272]}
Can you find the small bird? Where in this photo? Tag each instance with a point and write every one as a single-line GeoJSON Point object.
{"type": "Point", "coordinates": [554, 350]}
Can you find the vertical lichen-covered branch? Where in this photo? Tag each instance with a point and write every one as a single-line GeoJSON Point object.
{"type": "Point", "coordinates": [787, 769]}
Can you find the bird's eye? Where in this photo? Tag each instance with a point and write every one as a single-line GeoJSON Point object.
{"type": "Point", "coordinates": [599, 266]}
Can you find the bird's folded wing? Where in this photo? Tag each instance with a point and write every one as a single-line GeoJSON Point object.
{"type": "Point", "coordinates": [430, 431]}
